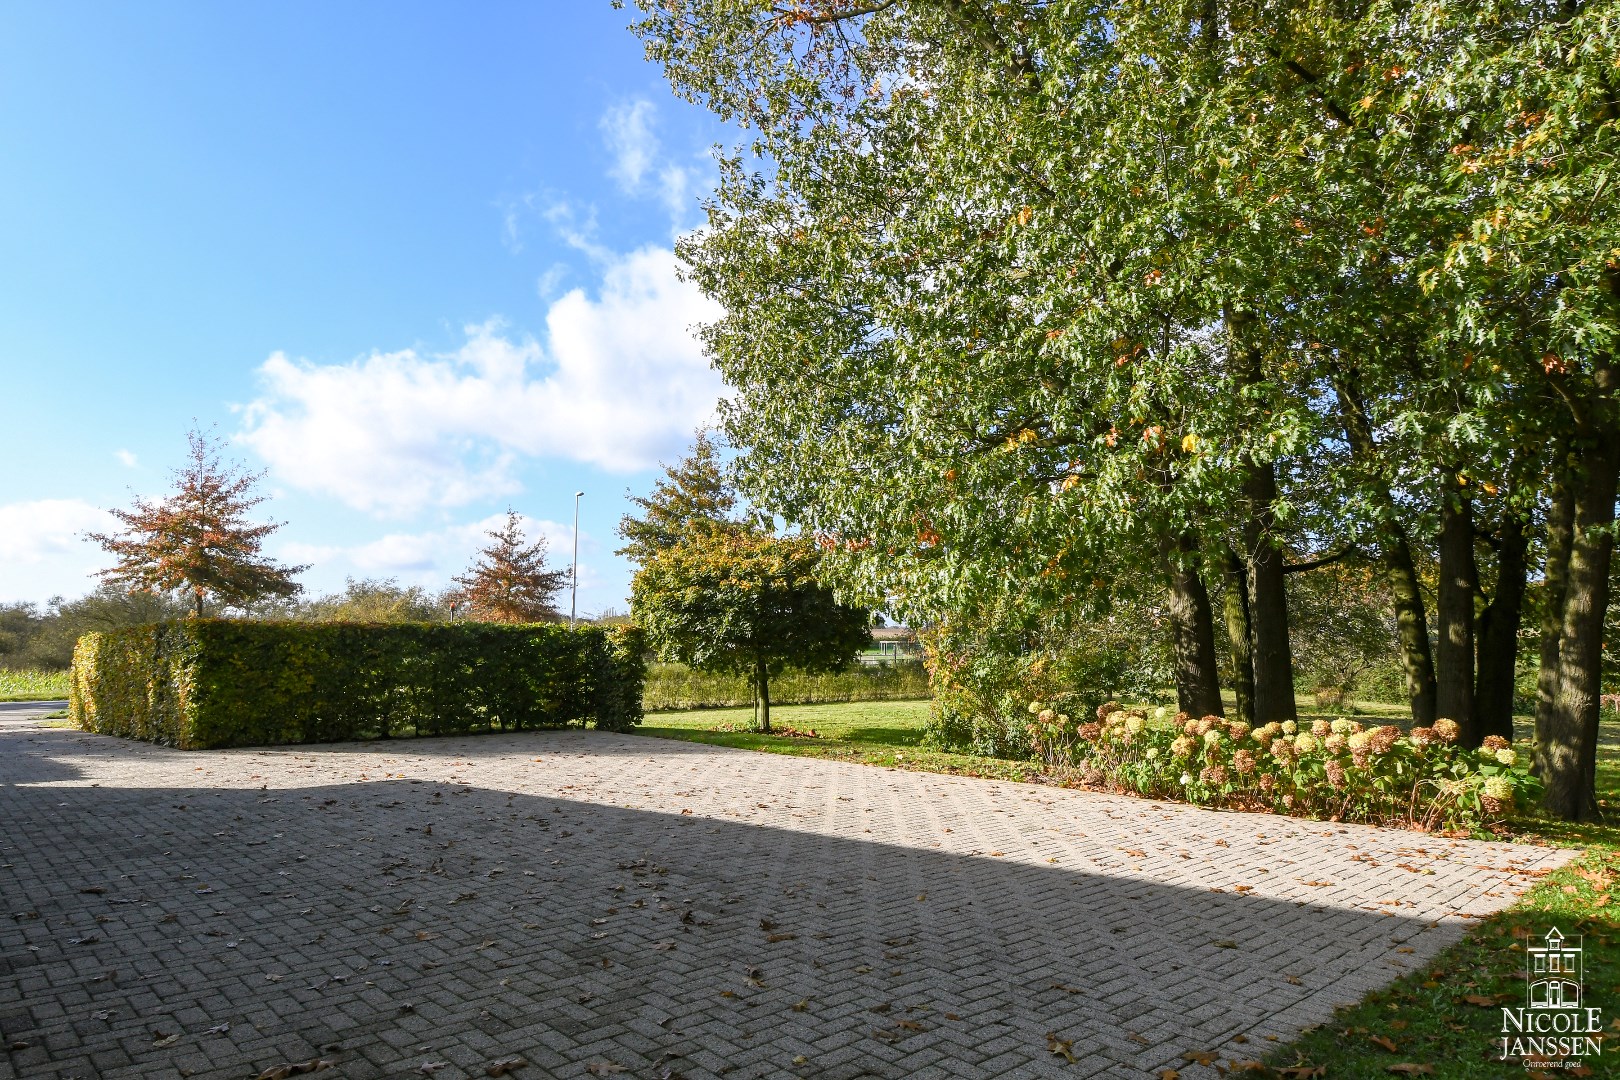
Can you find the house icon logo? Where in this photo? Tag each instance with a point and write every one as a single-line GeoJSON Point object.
{"type": "Point", "coordinates": [1553, 967]}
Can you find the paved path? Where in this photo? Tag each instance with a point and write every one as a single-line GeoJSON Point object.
{"type": "Point", "coordinates": [592, 901]}
{"type": "Point", "coordinates": [28, 710]}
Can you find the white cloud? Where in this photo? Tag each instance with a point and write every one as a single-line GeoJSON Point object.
{"type": "Point", "coordinates": [620, 384]}
{"type": "Point", "coordinates": [433, 557]}
{"type": "Point", "coordinates": [551, 280]}
{"type": "Point", "coordinates": [639, 166]}
{"type": "Point", "coordinates": [126, 458]}
{"type": "Point", "coordinates": [43, 551]}
{"type": "Point", "coordinates": [627, 128]}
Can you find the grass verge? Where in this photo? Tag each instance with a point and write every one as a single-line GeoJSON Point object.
{"type": "Point", "coordinates": [886, 733]}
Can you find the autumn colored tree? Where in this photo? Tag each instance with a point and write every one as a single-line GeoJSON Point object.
{"type": "Point", "coordinates": [508, 581]}
{"type": "Point", "coordinates": [198, 541]}
{"type": "Point", "coordinates": [692, 496]}
{"type": "Point", "coordinates": [744, 602]}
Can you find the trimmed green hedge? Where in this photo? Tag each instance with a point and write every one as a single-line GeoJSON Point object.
{"type": "Point", "coordinates": [206, 683]}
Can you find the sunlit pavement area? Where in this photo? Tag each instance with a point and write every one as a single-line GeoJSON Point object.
{"type": "Point", "coordinates": [617, 905]}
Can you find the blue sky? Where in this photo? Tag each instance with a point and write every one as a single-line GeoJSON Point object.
{"type": "Point", "coordinates": [414, 261]}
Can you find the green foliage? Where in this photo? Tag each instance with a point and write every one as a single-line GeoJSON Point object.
{"type": "Point", "coordinates": [676, 686]}
{"type": "Point", "coordinates": [1336, 769]}
{"type": "Point", "coordinates": [28, 685]}
{"type": "Point", "coordinates": [208, 683]}
{"type": "Point", "coordinates": [693, 497]}
{"type": "Point", "coordinates": [984, 670]}
{"type": "Point", "coordinates": [742, 602]}
{"type": "Point", "coordinates": [1342, 627]}
{"type": "Point", "coordinates": [34, 638]}
{"type": "Point", "coordinates": [1012, 291]}
{"type": "Point", "coordinates": [371, 600]}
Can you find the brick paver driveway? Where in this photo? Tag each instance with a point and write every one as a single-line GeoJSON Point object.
{"type": "Point", "coordinates": [590, 902]}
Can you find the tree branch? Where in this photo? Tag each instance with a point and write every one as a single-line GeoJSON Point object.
{"type": "Point", "coordinates": [833, 16]}
{"type": "Point", "coordinates": [1301, 567]}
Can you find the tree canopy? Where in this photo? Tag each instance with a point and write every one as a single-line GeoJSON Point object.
{"type": "Point", "coordinates": [1020, 294]}
{"type": "Point", "coordinates": [693, 496]}
{"type": "Point", "coordinates": [744, 602]}
{"type": "Point", "coordinates": [198, 540]}
{"type": "Point", "coordinates": [508, 580]}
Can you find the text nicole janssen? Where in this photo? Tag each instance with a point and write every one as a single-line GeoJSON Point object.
{"type": "Point", "coordinates": [1552, 1033]}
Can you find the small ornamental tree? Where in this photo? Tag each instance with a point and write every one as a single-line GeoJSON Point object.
{"type": "Point", "coordinates": [693, 496]}
{"type": "Point", "coordinates": [743, 602]}
{"type": "Point", "coordinates": [508, 581]}
{"type": "Point", "coordinates": [198, 541]}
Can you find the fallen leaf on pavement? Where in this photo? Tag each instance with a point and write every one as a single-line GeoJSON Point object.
{"type": "Point", "coordinates": [605, 1068]}
{"type": "Point", "coordinates": [294, 1068]}
{"type": "Point", "coordinates": [1202, 1057]}
{"type": "Point", "coordinates": [504, 1066]}
{"type": "Point", "coordinates": [1063, 1048]}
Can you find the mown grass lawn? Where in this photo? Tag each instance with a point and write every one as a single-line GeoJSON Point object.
{"type": "Point", "coordinates": [887, 733]}
{"type": "Point", "coordinates": [1443, 1021]}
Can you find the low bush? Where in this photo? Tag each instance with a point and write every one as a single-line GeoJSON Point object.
{"type": "Point", "coordinates": [217, 682]}
{"type": "Point", "coordinates": [1340, 769]}
{"type": "Point", "coordinates": [675, 686]}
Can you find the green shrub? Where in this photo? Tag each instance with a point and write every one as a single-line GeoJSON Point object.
{"type": "Point", "coordinates": [217, 682]}
{"type": "Point", "coordinates": [1340, 770]}
{"type": "Point", "coordinates": [676, 686]}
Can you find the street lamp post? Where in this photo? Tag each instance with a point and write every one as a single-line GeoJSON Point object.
{"type": "Point", "coordinates": [573, 601]}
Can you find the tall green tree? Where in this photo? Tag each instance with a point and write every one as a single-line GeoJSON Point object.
{"type": "Point", "coordinates": [693, 496]}
{"type": "Point", "coordinates": [1014, 290]}
{"type": "Point", "coordinates": [743, 602]}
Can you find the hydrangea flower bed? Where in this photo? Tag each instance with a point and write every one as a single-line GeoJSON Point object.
{"type": "Point", "coordinates": [1341, 769]}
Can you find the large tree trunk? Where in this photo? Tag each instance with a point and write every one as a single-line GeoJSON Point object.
{"type": "Point", "coordinates": [1560, 520]}
{"type": "Point", "coordinates": [1235, 606]}
{"type": "Point", "coordinates": [1411, 624]}
{"type": "Point", "coordinates": [1268, 605]}
{"type": "Point", "coordinates": [1454, 603]}
{"type": "Point", "coordinates": [1268, 601]}
{"type": "Point", "coordinates": [1498, 638]}
{"type": "Point", "coordinates": [1411, 620]}
{"type": "Point", "coordinates": [1570, 763]}
{"type": "Point", "coordinates": [1198, 688]}
{"type": "Point", "coordinates": [762, 701]}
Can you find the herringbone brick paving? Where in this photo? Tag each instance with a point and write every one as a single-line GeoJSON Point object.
{"type": "Point", "coordinates": [591, 901]}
